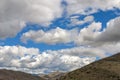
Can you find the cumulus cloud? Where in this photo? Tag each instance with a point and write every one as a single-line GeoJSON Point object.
{"type": "Point", "coordinates": [111, 33]}
{"type": "Point", "coordinates": [90, 6]}
{"type": "Point", "coordinates": [93, 36]}
{"type": "Point", "coordinates": [14, 14]}
{"type": "Point", "coordinates": [10, 28]}
{"type": "Point", "coordinates": [82, 51]}
{"type": "Point", "coordinates": [90, 35]}
{"type": "Point", "coordinates": [53, 36]}
{"type": "Point", "coordinates": [75, 20]}
{"type": "Point", "coordinates": [15, 55]}
{"type": "Point", "coordinates": [31, 60]}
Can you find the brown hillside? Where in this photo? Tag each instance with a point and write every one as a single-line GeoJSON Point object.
{"type": "Point", "coordinates": [16, 75]}
{"type": "Point", "coordinates": [52, 76]}
{"type": "Point", "coordinates": [105, 69]}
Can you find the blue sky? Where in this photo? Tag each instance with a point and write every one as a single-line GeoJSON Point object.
{"type": "Point", "coordinates": [41, 37]}
{"type": "Point", "coordinates": [62, 22]}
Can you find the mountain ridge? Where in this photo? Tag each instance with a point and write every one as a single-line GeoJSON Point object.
{"type": "Point", "coordinates": [52, 76]}
{"type": "Point", "coordinates": [17, 75]}
{"type": "Point", "coordinates": [104, 69]}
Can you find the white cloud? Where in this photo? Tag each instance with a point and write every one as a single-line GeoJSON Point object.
{"type": "Point", "coordinates": [111, 48]}
{"type": "Point", "coordinates": [87, 35]}
{"type": "Point", "coordinates": [75, 21]}
{"type": "Point", "coordinates": [10, 28]}
{"type": "Point", "coordinates": [53, 36]}
{"type": "Point", "coordinates": [93, 36]}
{"type": "Point", "coordinates": [90, 6]}
{"type": "Point", "coordinates": [90, 35]}
{"type": "Point", "coordinates": [14, 14]}
{"type": "Point", "coordinates": [82, 51]}
{"type": "Point", "coordinates": [14, 55]}
{"type": "Point", "coordinates": [111, 34]}
{"type": "Point", "coordinates": [31, 60]}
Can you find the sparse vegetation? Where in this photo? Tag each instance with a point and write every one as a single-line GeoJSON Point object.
{"type": "Point", "coordinates": [16, 75]}
{"type": "Point", "coordinates": [105, 69]}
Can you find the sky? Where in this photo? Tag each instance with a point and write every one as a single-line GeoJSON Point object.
{"type": "Point", "coordinates": [43, 36]}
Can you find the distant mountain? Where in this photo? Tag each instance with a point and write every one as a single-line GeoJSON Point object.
{"type": "Point", "coordinates": [105, 69]}
{"type": "Point", "coordinates": [53, 76]}
{"type": "Point", "coordinates": [16, 75]}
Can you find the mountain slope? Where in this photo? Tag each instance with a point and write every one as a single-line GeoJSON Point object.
{"type": "Point", "coordinates": [16, 75]}
{"type": "Point", "coordinates": [105, 69]}
{"type": "Point", "coordinates": [53, 76]}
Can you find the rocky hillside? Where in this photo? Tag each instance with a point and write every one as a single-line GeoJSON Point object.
{"type": "Point", "coordinates": [105, 69]}
{"type": "Point", "coordinates": [16, 75]}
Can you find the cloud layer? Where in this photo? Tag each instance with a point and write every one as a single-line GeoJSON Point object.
{"type": "Point", "coordinates": [91, 42]}
{"type": "Point", "coordinates": [90, 35]}
{"type": "Point", "coordinates": [14, 14]}
{"type": "Point", "coordinates": [111, 34]}
{"type": "Point", "coordinates": [53, 36]}
{"type": "Point", "coordinates": [31, 60]}
{"type": "Point", "coordinates": [76, 22]}
{"type": "Point", "coordinates": [90, 6]}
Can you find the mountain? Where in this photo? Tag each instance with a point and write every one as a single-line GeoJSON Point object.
{"type": "Point", "coordinates": [53, 76]}
{"type": "Point", "coordinates": [104, 69]}
{"type": "Point", "coordinates": [16, 75]}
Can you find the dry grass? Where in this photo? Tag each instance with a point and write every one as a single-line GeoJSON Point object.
{"type": "Point", "coordinates": [105, 69]}
{"type": "Point", "coordinates": [16, 75]}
